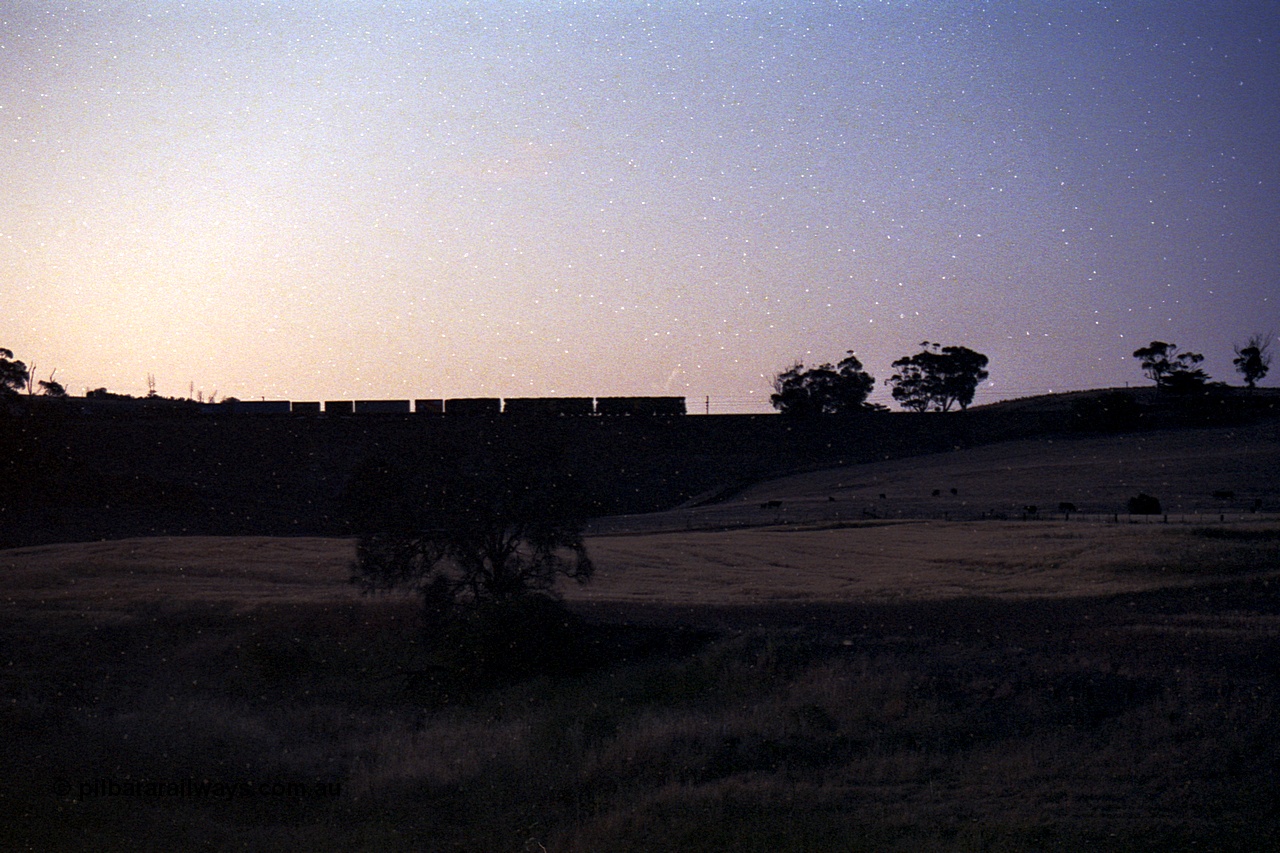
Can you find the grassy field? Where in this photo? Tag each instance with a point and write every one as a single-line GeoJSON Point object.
{"type": "Point", "coordinates": [858, 562]}
{"type": "Point", "coordinates": [903, 687]}
{"type": "Point", "coordinates": [1223, 471]}
{"type": "Point", "coordinates": [909, 684]}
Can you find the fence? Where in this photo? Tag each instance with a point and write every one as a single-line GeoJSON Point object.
{"type": "Point", "coordinates": [815, 514]}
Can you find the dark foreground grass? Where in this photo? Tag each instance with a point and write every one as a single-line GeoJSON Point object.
{"type": "Point", "coordinates": [1135, 723]}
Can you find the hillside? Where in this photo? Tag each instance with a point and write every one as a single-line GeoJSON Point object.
{"type": "Point", "coordinates": [1221, 471]}
{"type": "Point", "coordinates": [912, 682]}
{"type": "Point", "coordinates": [65, 477]}
{"type": "Point", "coordinates": [1182, 467]}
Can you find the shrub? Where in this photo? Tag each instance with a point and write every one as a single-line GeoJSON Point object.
{"type": "Point", "coordinates": [1144, 504]}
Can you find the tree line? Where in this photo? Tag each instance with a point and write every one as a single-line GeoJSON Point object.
{"type": "Point", "coordinates": [935, 379]}
{"type": "Point", "coordinates": [16, 376]}
{"type": "Point", "coordinates": [940, 377]}
{"type": "Point", "coordinates": [1176, 371]}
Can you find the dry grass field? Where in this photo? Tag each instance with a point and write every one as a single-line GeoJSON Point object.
{"type": "Point", "coordinates": [826, 683]}
{"type": "Point", "coordinates": [909, 561]}
{"type": "Point", "coordinates": [875, 562]}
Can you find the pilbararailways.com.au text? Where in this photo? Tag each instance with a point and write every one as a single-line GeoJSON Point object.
{"type": "Point", "coordinates": [195, 789]}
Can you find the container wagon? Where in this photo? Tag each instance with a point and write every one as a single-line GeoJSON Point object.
{"type": "Point", "coordinates": [382, 407]}
{"type": "Point", "coordinates": [548, 406]}
{"type": "Point", "coordinates": [640, 406]}
{"type": "Point", "coordinates": [473, 406]}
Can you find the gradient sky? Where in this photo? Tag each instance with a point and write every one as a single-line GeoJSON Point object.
{"type": "Point", "coordinates": [428, 199]}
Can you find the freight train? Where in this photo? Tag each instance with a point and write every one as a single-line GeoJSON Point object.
{"type": "Point", "coordinates": [522, 407]}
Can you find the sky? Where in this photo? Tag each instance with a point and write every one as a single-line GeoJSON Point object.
{"type": "Point", "coordinates": [339, 200]}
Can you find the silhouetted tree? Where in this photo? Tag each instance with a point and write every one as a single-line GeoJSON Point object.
{"type": "Point", "coordinates": [938, 377]}
{"type": "Point", "coordinates": [492, 535]}
{"type": "Point", "coordinates": [51, 388]}
{"type": "Point", "coordinates": [1253, 360]}
{"type": "Point", "coordinates": [14, 375]}
{"type": "Point", "coordinates": [1186, 381]}
{"type": "Point", "coordinates": [1171, 369]}
{"type": "Point", "coordinates": [482, 543]}
{"type": "Point", "coordinates": [1144, 504]}
{"type": "Point", "coordinates": [825, 389]}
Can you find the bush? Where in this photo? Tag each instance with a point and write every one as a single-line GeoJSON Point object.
{"type": "Point", "coordinates": [1144, 504]}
